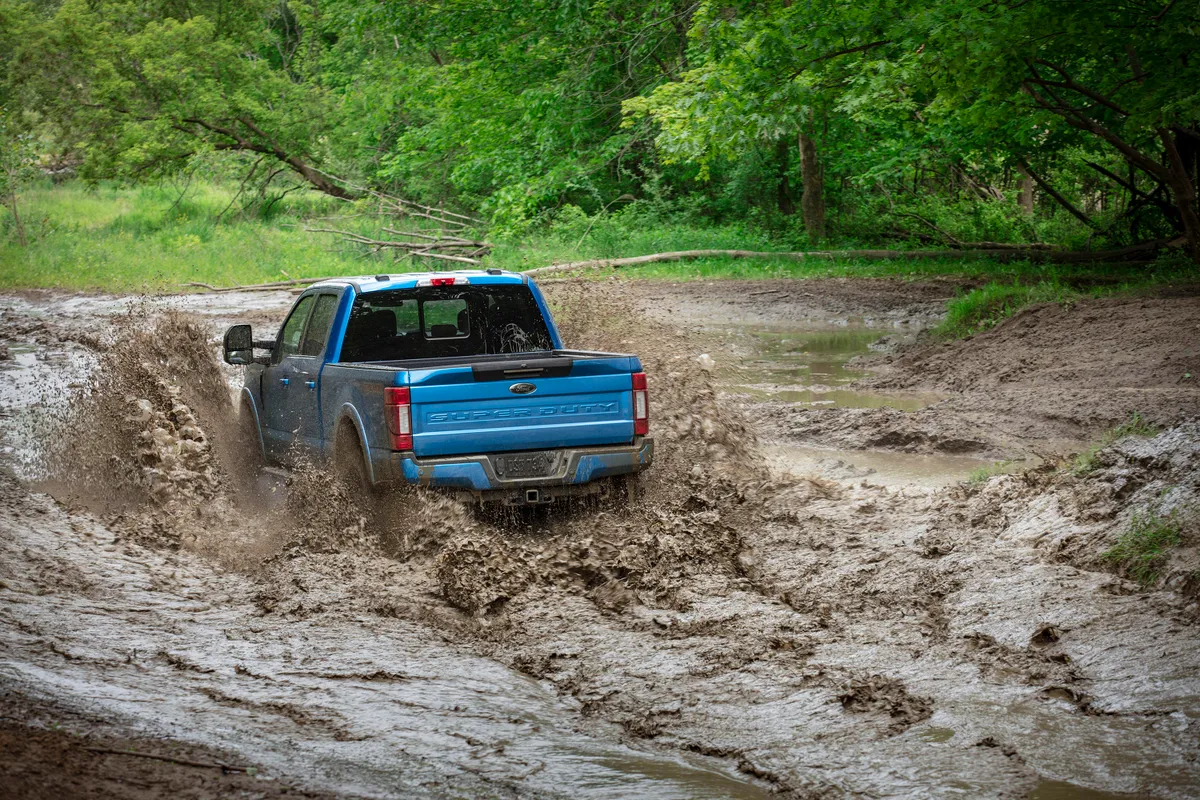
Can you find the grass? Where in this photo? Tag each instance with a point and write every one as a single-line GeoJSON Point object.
{"type": "Point", "coordinates": [130, 239]}
{"type": "Point", "coordinates": [1136, 425]}
{"type": "Point", "coordinates": [981, 475]}
{"type": "Point", "coordinates": [986, 306]}
{"type": "Point", "coordinates": [149, 238]}
{"type": "Point", "coordinates": [545, 249]}
{"type": "Point", "coordinates": [1143, 547]}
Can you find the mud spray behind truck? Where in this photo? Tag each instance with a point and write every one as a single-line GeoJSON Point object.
{"type": "Point", "coordinates": [452, 380]}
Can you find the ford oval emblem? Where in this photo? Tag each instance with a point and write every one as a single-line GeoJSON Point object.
{"type": "Point", "coordinates": [522, 388]}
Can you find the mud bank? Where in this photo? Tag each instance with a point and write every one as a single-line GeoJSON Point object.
{"type": "Point", "coordinates": [746, 630]}
{"type": "Point", "coordinates": [1048, 380]}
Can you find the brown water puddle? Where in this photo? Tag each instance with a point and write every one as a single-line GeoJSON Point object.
{"type": "Point", "coordinates": [813, 364]}
{"type": "Point", "coordinates": [1060, 790]}
{"type": "Point", "coordinates": [810, 366]}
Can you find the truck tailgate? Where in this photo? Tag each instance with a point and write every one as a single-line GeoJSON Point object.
{"type": "Point", "coordinates": [489, 408]}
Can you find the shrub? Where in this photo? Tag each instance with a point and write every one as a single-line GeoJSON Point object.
{"type": "Point", "coordinates": [981, 475]}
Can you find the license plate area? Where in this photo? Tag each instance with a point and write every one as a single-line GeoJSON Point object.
{"type": "Point", "coordinates": [525, 465]}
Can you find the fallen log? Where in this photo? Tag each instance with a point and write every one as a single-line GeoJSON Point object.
{"type": "Point", "coordinates": [253, 287]}
{"type": "Point", "coordinates": [998, 254]}
{"type": "Point", "coordinates": [421, 248]}
{"type": "Point", "coordinates": [445, 256]}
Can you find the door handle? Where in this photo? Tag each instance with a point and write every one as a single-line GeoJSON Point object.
{"type": "Point", "coordinates": [311, 384]}
{"type": "Point", "coordinates": [284, 381]}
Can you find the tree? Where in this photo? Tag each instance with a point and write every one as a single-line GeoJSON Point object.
{"type": "Point", "coordinates": [17, 168]}
{"type": "Point", "coordinates": [146, 85]}
{"type": "Point", "coordinates": [1121, 75]}
{"type": "Point", "coordinates": [514, 108]}
{"type": "Point", "coordinates": [762, 71]}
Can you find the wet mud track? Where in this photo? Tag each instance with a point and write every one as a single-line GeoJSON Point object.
{"type": "Point", "coordinates": [755, 630]}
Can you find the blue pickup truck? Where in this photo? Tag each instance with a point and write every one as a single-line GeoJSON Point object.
{"type": "Point", "coordinates": [454, 380]}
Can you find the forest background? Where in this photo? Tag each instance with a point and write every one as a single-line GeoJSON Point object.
{"type": "Point", "coordinates": [150, 143]}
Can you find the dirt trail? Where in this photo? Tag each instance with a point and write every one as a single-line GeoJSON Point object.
{"type": "Point", "coordinates": [745, 631]}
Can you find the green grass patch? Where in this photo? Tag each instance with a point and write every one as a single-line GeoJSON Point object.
{"type": "Point", "coordinates": [982, 474]}
{"type": "Point", "coordinates": [1136, 425]}
{"type": "Point", "coordinates": [1141, 550]}
{"type": "Point", "coordinates": [150, 238]}
{"type": "Point", "coordinates": [153, 237]}
{"type": "Point", "coordinates": [984, 307]}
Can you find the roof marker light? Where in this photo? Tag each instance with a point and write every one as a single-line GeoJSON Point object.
{"type": "Point", "coordinates": [458, 280]}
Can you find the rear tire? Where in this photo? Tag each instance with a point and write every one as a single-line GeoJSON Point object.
{"type": "Point", "coordinates": [349, 464]}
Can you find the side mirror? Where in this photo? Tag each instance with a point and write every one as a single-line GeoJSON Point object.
{"type": "Point", "coordinates": [239, 345]}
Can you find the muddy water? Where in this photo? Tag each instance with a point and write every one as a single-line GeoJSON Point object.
{"type": "Point", "coordinates": [166, 645]}
{"type": "Point", "coordinates": [879, 467]}
{"type": "Point", "coordinates": [359, 705]}
{"type": "Point", "coordinates": [1060, 790]}
{"type": "Point", "coordinates": [811, 363]}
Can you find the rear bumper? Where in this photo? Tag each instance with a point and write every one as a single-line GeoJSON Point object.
{"type": "Point", "coordinates": [486, 473]}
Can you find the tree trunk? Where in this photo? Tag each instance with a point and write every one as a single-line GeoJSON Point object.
{"type": "Point", "coordinates": [787, 206]}
{"type": "Point", "coordinates": [812, 202]}
{"type": "Point", "coordinates": [314, 176]}
{"type": "Point", "coordinates": [1062, 201]}
{"type": "Point", "coordinates": [12, 205]}
{"type": "Point", "coordinates": [1025, 189]}
{"type": "Point", "coordinates": [317, 179]}
{"type": "Point", "coordinates": [1180, 182]}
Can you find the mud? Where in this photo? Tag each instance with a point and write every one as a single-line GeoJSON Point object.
{"type": "Point", "coordinates": [1059, 374]}
{"type": "Point", "coordinates": [758, 624]}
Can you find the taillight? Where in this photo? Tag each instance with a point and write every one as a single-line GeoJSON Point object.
{"type": "Point", "coordinates": [641, 405]}
{"type": "Point", "coordinates": [397, 408]}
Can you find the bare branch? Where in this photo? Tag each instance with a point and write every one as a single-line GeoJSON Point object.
{"type": "Point", "coordinates": [1068, 83]}
{"type": "Point", "coordinates": [1062, 201]}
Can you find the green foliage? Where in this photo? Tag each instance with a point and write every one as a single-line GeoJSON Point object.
{"type": "Point", "coordinates": [982, 308]}
{"type": "Point", "coordinates": [1136, 425]}
{"type": "Point", "coordinates": [17, 170]}
{"type": "Point", "coordinates": [921, 112]}
{"type": "Point", "coordinates": [1143, 547]}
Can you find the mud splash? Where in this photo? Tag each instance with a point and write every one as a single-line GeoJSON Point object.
{"type": "Point", "coordinates": [163, 468]}
{"type": "Point", "coordinates": [139, 442]}
{"type": "Point", "coordinates": [629, 554]}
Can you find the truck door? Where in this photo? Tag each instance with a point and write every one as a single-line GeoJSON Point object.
{"type": "Point", "coordinates": [281, 383]}
{"type": "Point", "coordinates": [306, 403]}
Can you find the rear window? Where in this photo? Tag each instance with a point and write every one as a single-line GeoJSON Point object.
{"type": "Point", "coordinates": [441, 321]}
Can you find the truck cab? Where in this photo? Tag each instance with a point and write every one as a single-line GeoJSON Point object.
{"type": "Point", "coordinates": [452, 380]}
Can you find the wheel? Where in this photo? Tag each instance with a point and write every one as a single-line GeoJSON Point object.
{"type": "Point", "coordinates": [349, 465]}
{"type": "Point", "coordinates": [249, 444]}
